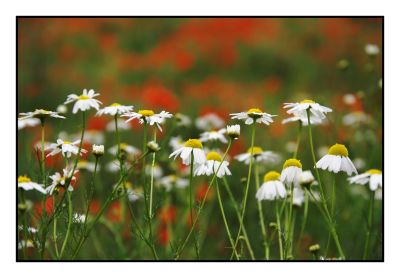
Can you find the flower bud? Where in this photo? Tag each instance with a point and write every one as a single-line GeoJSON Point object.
{"type": "Point", "coordinates": [233, 131]}
{"type": "Point", "coordinates": [153, 147]}
{"type": "Point", "coordinates": [98, 150]}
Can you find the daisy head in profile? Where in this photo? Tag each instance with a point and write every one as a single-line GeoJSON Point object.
{"type": "Point", "coordinates": [209, 121]}
{"type": "Point", "coordinates": [259, 155]}
{"type": "Point", "coordinates": [28, 122]}
{"type": "Point", "coordinates": [58, 180]}
{"type": "Point", "coordinates": [26, 183]}
{"type": "Point", "coordinates": [214, 135]}
{"type": "Point", "coordinates": [272, 188]}
{"type": "Point", "coordinates": [253, 115]}
{"type": "Point", "coordinates": [307, 179]}
{"type": "Point", "coordinates": [214, 164]}
{"type": "Point", "coordinates": [148, 117]}
{"type": "Point", "coordinates": [291, 171]}
{"type": "Point", "coordinates": [298, 196]}
{"type": "Point", "coordinates": [299, 109]}
{"type": "Point", "coordinates": [337, 160]}
{"type": "Point", "coordinates": [168, 182]}
{"type": "Point", "coordinates": [373, 177]}
{"type": "Point", "coordinates": [114, 109]}
{"type": "Point", "coordinates": [233, 131]}
{"type": "Point", "coordinates": [192, 146]}
{"type": "Point", "coordinates": [85, 101]}
{"type": "Point", "coordinates": [40, 114]}
{"type": "Point", "coordinates": [65, 147]}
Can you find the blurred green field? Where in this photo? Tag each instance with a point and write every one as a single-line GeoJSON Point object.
{"type": "Point", "coordinates": [198, 66]}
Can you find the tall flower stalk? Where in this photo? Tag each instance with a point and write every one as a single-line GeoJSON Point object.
{"type": "Point", "coordinates": [325, 212]}
{"type": "Point", "coordinates": [261, 215]}
{"type": "Point", "coordinates": [370, 223]}
{"type": "Point", "coordinates": [244, 202]}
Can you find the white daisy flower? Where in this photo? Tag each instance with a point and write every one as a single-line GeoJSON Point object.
{"type": "Point", "coordinates": [233, 131]}
{"type": "Point", "coordinates": [307, 178]}
{"type": "Point", "coordinates": [304, 121]}
{"type": "Point", "coordinates": [209, 121]}
{"type": "Point", "coordinates": [176, 143]}
{"type": "Point", "coordinates": [182, 120]}
{"type": "Point", "coordinates": [191, 146]}
{"type": "Point", "coordinates": [172, 180]}
{"type": "Point", "coordinates": [98, 150]}
{"type": "Point", "coordinates": [40, 114]}
{"type": "Point", "coordinates": [149, 117]}
{"type": "Point", "coordinates": [122, 125]}
{"type": "Point", "coordinates": [30, 230]}
{"type": "Point", "coordinates": [86, 165]}
{"type": "Point", "coordinates": [298, 196]}
{"type": "Point", "coordinates": [114, 166]}
{"type": "Point", "coordinates": [299, 109]}
{"type": "Point", "coordinates": [65, 147]}
{"type": "Point", "coordinates": [128, 149]}
{"type": "Point", "coordinates": [272, 188]}
{"type": "Point", "coordinates": [62, 109]}
{"type": "Point", "coordinates": [259, 155]}
{"type": "Point", "coordinates": [356, 118]}
{"type": "Point", "coordinates": [28, 122]}
{"type": "Point", "coordinates": [214, 136]}
{"type": "Point", "coordinates": [157, 171]}
{"type": "Point", "coordinates": [134, 194]}
{"type": "Point", "coordinates": [84, 102]}
{"type": "Point", "coordinates": [58, 180]}
{"type": "Point", "coordinates": [114, 109]}
{"type": "Point", "coordinates": [291, 172]}
{"type": "Point", "coordinates": [26, 184]}
{"type": "Point", "coordinates": [371, 49]}
{"type": "Point", "coordinates": [337, 160]}
{"type": "Point", "coordinates": [78, 218]}
{"type": "Point", "coordinates": [253, 114]}
{"type": "Point", "coordinates": [372, 176]}
{"type": "Point", "coordinates": [214, 161]}
{"type": "Point", "coordinates": [25, 244]}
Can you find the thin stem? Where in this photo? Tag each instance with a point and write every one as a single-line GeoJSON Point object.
{"type": "Point", "coordinates": [191, 201]}
{"type": "Point", "coordinates": [224, 218]}
{"type": "Point", "coordinates": [328, 217]}
{"type": "Point", "coordinates": [261, 214]}
{"type": "Point", "coordinates": [253, 131]}
{"type": "Point", "coordinates": [288, 242]}
{"type": "Point", "coordinates": [121, 168]}
{"type": "Point", "coordinates": [55, 232]}
{"type": "Point", "coordinates": [304, 220]}
{"type": "Point", "coordinates": [42, 161]}
{"type": "Point", "coordinates": [370, 223]}
{"type": "Point", "coordinates": [237, 210]}
{"type": "Point", "coordinates": [91, 190]}
{"type": "Point", "coordinates": [69, 224]}
{"type": "Point", "coordinates": [278, 223]}
{"type": "Point", "coordinates": [181, 248]}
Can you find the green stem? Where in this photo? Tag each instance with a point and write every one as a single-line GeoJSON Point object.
{"type": "Point", "coordinates": [151, 196]}
{"type": "Point", "coordinates": [237, 210]}
{"type": "Point", "coordinates": [69, 224]}
{"type": "Point", "coordinates": [304, 220]}
{"type": "Point", "coordinates": [90, 197]}
{"type": "Point", "coordinates": [253, 131]}
{"type": "Point", "coordinates": [224, 218]}
{"type": "Point", "coordinates": [121, 168]}
{"type": "Point", "coordinates": [370, 223]}
{"type": "Point", "coordinates": [55, 232]}
{"type": "Point", "coordinates": [328, 217]}
{"type": "Point", "coordinates": [181, 248]}
{"type": "Point", "coordinates": [42, 161]}
{"type": "Point", "coordinates": [278, 223]}
{"type": "Point", "coordinates": [261, 214]}
{"type": "Point", "coordinates": [190, 200]}
{"type": "Point", "coordinates": [288, 242]}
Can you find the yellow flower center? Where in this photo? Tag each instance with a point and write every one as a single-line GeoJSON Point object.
{"type": "Point", "coordinates": [128, 185]}
{"type": "Point", "coordinates": [338, 149]}
{"type": "Point", "coordinates": [84, 97]}
{"type": "Point", "coordinates": [256, 150]}
{"type": "Point", "coordinates": [214, 156]}
{"type": "Point", "coordinates": [254, 110]}
{"type": "Point", "coordinates": [123, 146]}
{"type": "Point", "coordinates": [374, 172]}
{"type": "Point", "coordinates": [173, 178]}
{"type": "Point", "coordinates": [82, 163]}
{"type": "Point", "coordinates": [22, 179]}
{"type": "Point", "coordinates": [307, 101]}
{"type": "Point", "coordinates": [292, 162]}
{"type": "Point", "coordinates": [42, 111]}
{"type": "Point", "coordinates": [194, 143]}
{"type": "Point", "coordinates": [115, 104]}
{"type": "Point", "coordinates": [146, 113]}
{"type": "Point", "coordinates": [67, 142]}
{"type": "Point", "coordinates": [271, 176]}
